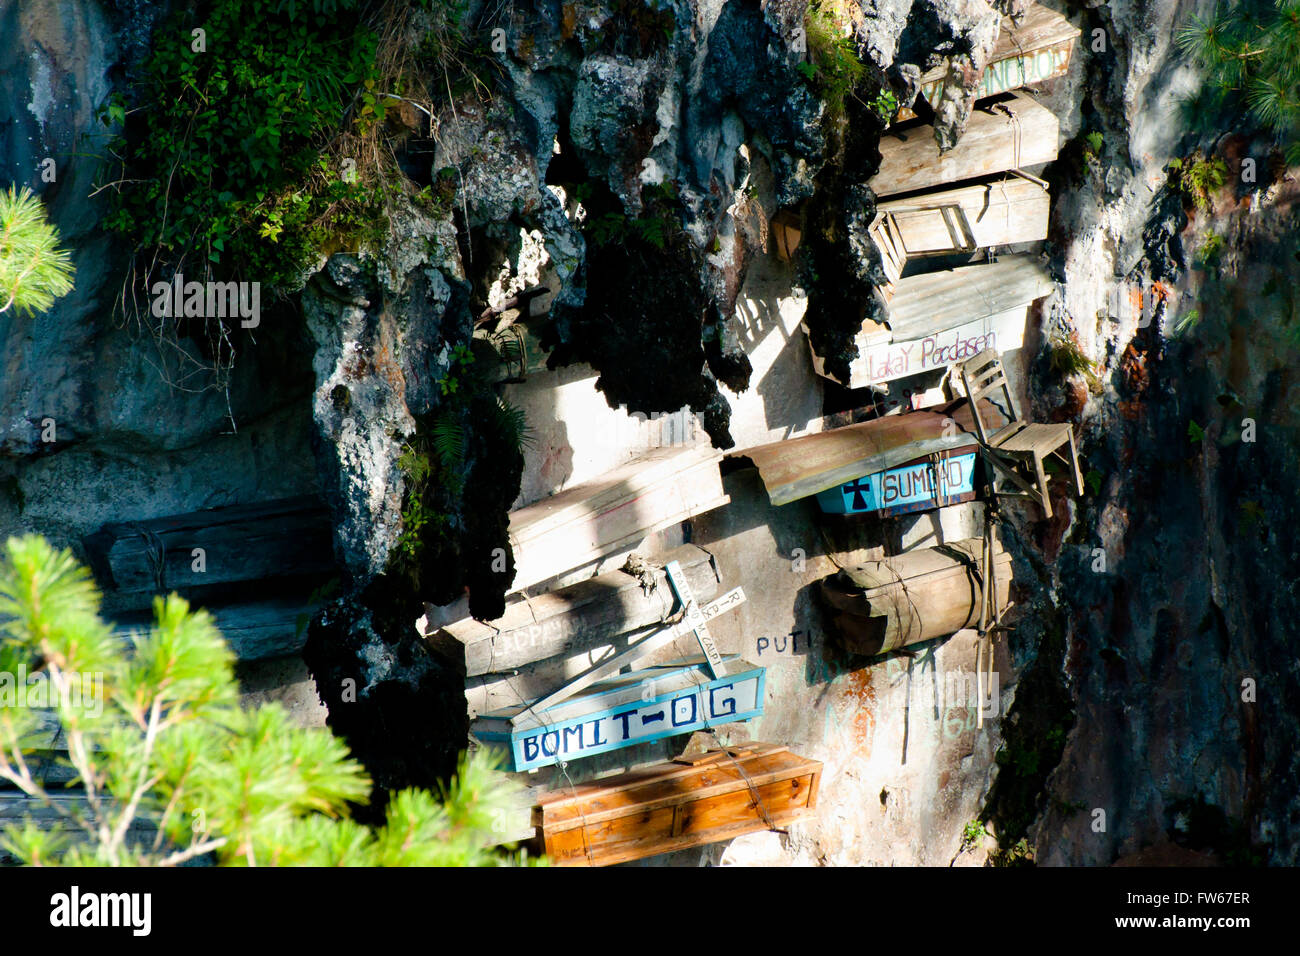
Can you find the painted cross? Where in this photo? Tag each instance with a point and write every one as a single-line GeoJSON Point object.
{"type": "Point", "coordinates": [694, 616]}
{"type": "Point", "coordinates": [856, 487]}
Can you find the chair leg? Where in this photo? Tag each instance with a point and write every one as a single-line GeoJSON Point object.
{"type": "Point", "coordinates": [1074, 460]}
{"type": "Point", "coordinates": [1046, 498]}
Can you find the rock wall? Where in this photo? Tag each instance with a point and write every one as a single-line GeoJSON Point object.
{"type": "Point", "coordinates": [1144, 606]}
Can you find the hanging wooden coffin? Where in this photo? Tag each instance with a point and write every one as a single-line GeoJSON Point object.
{"type": "Point", "coordinates": [578, 619]}
{"type": "Point", "coordinates": [937, 319]}
{"type": "Point", "coordinates": [915, 486]}
{"type": "Point", "coordinates": [1037, 49]}
{"type": "Point", "coordinates": [589, 521]}
{"type": "Point", "coordinates": [994, 142]}
{"type": "Point", "coordinates": [1009, 210]}
{"type": "Point", "coordinates": [677, 805]}
{"type": "Point", "coordinates": [626, 709]}
{"type": "Point", "coordinates": [881, 606]}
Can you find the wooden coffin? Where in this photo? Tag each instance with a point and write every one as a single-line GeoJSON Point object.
{"type": "Point", "coordinates": [677, 805]}
{"type": "Point", "coordinates": [801, 467]}
{"type": "Point", "coordinates": [624, 710]}
{"type": "Point", "coordinates": [544, 683]}
{"type": "Point", "coordinates": [255, 630]}
{"type": "Point", "coordinates": [589, 521]}
{"type": "Point", "coordinates": [994, 142]}
{"type": "Point", "coordinates": [1036, 49]}
{"type": "Point", "coordinates": [913, 597]}
{"type": "Point", "coordinates": [946, 478]}
{"type": "Point", "coordinates": [937, 319]}
{"type": "Point", "coordinates": [137, 559]}
{"type": "Point", "coordinates": [1008, 210]}
{"type": "Point", "coordinates": [577, 619]}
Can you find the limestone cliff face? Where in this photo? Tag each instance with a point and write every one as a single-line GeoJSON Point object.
{"type": "Point", "coordinates": [1130, 670]}
{"type": "Point", "coordinates": [1176, 579]}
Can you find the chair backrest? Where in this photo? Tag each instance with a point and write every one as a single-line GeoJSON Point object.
{"type": "Point", "coordinates": [981, 376]}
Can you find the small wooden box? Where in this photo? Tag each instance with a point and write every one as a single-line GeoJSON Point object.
{"type": "Point", "coordinates": [676, 805]}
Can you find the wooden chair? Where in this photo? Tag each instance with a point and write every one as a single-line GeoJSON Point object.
{"type": "Point", "coordinates": [1016, 450]}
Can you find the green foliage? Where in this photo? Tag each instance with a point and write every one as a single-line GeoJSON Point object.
{"type": "Point", "coordinates": [1194, 431]}
{"type": "Point", "coordinates": [1067, 358]}
{"type": "Point", "coordinates": [1197, 177]}
{"type": "Point", "coordinates": [884, 104]}
{"type": "Point", "coordinates": [1093, 480]}
{"type": "Point", "coordinates": [164, 741]}
{"type": "Point", "coordinates": [973, 833]}
{"type": "Point", "coordinates": [1188, 321]}
{"type": "Point", "coordinates": [833, 68]}
{"type": "Point", "coordinates": [1211, 251]}
{"type": "Point", "coordinates": [434, 460]}
{"type": "Point", "coordinates": [34, 269]}
{"type": "Point", "coordinates": [1251, 54]}
{"type": "Point", "coordinates": [1092, 144]}
{"type": "Point", "coordinates": [1018, 854]}
{"type": "Point", "coordinates": [225, 154]}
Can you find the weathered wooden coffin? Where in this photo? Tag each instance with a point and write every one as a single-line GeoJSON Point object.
{"type": "Point", "coordinates": [937, 319]}
{"type": "Point", "coordinates": [946, 478]}
{"type": "Point", "coordinates": [589, 521]}
{"type": "Point", "coordinates": [677, 805]}
{"type": "Point", "coordinates": [1036, 49]}
{"type": "Point", "coordinates": [801, 467]}
{"type": "Point", "coordinates": [624, 710]}
{"type": "Point", "coordinates": [993, 142]}
{"type": "Point", "coordinates": [913, 597]}
{"type": "Point", "coordinates": [255, 630]}
{"type": "Point", "coordinates": [1007, 210]}
{"type": "Point", "coordinates": [137, 559]}
{"type": "Point", "coordinates": [580, 618]}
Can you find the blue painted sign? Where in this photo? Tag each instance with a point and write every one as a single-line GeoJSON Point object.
{"type": "Point", "coordinates": [625, 710]}
{"type": "Point", "coordinates": [915, 486]}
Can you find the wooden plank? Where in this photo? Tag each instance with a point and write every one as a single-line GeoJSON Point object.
{"type": "Point", "coordinates": [1036, 49]}
{"type": "Point", "coordinates": [935, 302]}
{"type": "Point", "coordinates": [255, 630]}
{"type": "Point", "coordinates": [136, 559]}
{"type": "Point", "coordinates": [662, 785]}
{"type": "Point", "coordinates": [1008, 210]}
{"type": "Point", "coordinates": [592, 520]}
{"type": "Point", "coordinates": [724, 817]}
{"type": "Point", "coordinates": [572, 620]}
{"type": "Point", "coordinates": [992, 143]}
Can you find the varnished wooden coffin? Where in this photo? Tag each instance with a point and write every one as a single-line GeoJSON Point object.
{"type": "Point", "coordinates": [913, 597]}
{"type": "Point", "coordinates": [676, 805]}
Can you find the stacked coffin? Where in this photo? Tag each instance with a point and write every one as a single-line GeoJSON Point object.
{"type": "Point", "coordinates": [974, 196]}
